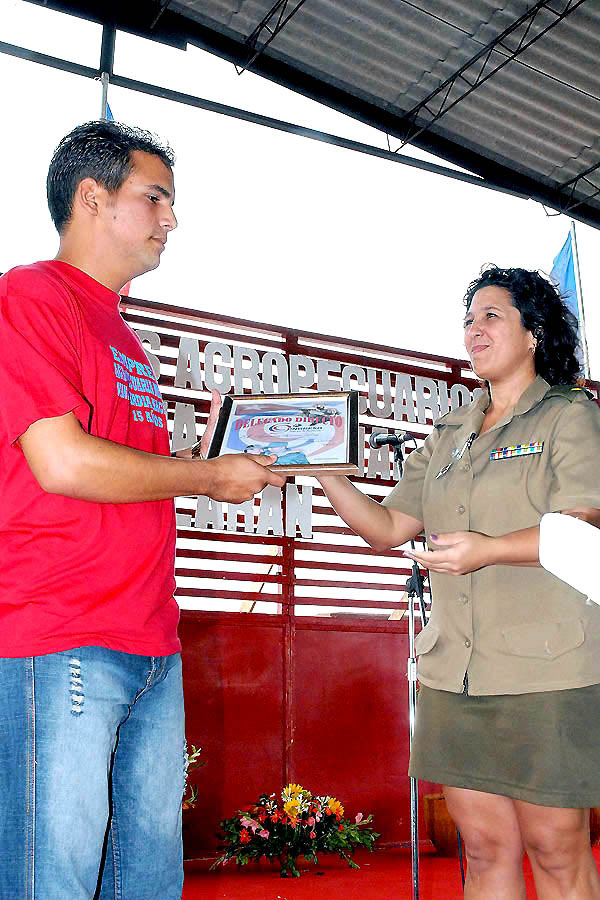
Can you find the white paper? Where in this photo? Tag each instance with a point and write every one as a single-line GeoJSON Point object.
{"type": "Point", "coordinates": [570, 549]}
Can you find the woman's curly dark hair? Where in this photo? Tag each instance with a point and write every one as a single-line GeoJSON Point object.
{"type": "Point", "coordinates": [543, 313]}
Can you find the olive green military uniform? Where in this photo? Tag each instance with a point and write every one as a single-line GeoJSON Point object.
{"type": "Point", "coordinates": [512, 652]}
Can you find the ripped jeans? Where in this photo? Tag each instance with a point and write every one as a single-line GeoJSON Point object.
{"type": "Point", "coordinates": [91, 776]}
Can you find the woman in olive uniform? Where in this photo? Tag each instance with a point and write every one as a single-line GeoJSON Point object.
{"type": "Point", "coordinates": [509, 664]}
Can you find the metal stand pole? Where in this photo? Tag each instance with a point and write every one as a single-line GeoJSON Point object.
{"type": "Point", "coordinates": [414, 589]}
{"type": "Point", "coordinates": [411, 674]}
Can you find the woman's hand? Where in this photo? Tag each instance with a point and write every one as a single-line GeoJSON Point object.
{"type": "Point", "coordinates": [216, 401]}
{"type": "Point", "coordinates": [456, 553]}
{"type": "Point", "coordinates": [589, 515]}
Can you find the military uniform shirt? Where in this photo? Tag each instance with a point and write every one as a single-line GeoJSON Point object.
{"type": "Point", "coordinates": [506, 629]}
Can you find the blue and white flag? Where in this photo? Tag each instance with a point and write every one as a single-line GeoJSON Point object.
{"type": "Point", "coordinates": [565, 274]}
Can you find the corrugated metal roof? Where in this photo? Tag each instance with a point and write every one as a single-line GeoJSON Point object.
{"type": "Point", "coordinates": [512, 93]}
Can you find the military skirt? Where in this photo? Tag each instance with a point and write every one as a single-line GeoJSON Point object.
{"type": "Point", "coordinates": [542, 747]}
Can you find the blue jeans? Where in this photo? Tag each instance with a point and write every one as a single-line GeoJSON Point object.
{"type": "Point", "coordinates": [92, 771]}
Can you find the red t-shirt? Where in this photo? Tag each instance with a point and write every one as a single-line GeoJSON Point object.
{"type": "Point", "coordinates": [72, 572]}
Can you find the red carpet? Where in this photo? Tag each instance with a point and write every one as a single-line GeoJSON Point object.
{"type": "Point", "coordinates": [382, 876]}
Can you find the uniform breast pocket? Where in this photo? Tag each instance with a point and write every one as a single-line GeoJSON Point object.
{"type": "Point", "coordinates": [426, 639]}
{"type": "Point", "coordinates": [546, 640]}
{"type": "Point", "coordinates": [516, 488]}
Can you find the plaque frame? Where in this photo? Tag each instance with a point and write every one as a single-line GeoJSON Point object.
{"type": "Point", "coordinates": [293, 416]}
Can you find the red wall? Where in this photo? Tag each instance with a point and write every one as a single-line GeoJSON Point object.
{"type": "Point", "coordinates": [314, 701]}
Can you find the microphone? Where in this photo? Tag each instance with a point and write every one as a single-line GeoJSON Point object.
{"type": "Point", "coordinates": [394, 440]}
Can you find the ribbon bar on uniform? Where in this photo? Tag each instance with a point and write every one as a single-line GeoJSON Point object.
{"type": "Point", "coordinates": [517, 450]}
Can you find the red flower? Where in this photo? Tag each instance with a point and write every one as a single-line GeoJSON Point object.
{"type": "Point", "coordinates": [338, 818]}
{"type": "Point", "coordinates": [262, 816]}
{"type": "Point", "coordinates": [275, 816]}
{"type": "Point", "coordinates": [341, 828]}
{"type": "Point", "coordinates": [245, 837]}
{"type": "Point", "coordinates": [313, 835]}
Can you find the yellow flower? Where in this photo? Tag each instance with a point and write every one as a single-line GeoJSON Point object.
{"type": "Point", "coordinates": [292, 808]}
{"type": "Point", "coordinates": [296, 793]}
{"type": "Point", "coordinates": [335, 807]}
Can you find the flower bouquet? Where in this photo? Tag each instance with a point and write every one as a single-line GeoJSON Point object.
{"type": "Point", "coordinates": [192, 761]}
{"type": "Point", "coordinates": [298, 825]}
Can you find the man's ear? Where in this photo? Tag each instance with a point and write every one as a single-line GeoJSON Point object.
{"type": "Point", "coordinates": [89, 196]}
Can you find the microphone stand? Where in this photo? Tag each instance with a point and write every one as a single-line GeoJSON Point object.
{"type": "Point", "coordinates": [414, 589]}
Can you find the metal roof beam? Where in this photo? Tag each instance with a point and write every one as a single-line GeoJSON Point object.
{"type": "Point", "coordinates": [140, 17]}
{"type": "Point", "coordinates": [462, 83]}
{"type": "Point", "coordinates": [581, 175]}
{"type": "Point", "coordinates": [278, 10]}
{"type": "Point", "coordinates": [571, 203]}
{"type": "Point", "coordinates": [567, 191]}
{"type": "Point", "coordinates": [257, 119]}
{"type": "Point", "coordinates": [492, 175]}
{"type": "Point", "coordinates": [162, 7]}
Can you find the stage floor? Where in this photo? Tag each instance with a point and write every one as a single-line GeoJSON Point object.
{"type": "Point", "coordinates": [383, 876]}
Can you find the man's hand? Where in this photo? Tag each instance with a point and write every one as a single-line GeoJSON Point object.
{"type": "Point", "coordinates": [237, 477]}
{"type": "Point", "coordinates": [457, 553]}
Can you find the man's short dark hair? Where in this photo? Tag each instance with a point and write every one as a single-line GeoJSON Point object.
{"type": "Point", "coordinates": [100, 150]}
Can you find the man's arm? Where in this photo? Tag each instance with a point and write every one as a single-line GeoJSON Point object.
{"type": "Point", "coordinates": [66, 460]}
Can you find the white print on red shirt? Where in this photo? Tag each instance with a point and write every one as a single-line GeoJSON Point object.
{"type": "Point", "coordinates": [140, 389]}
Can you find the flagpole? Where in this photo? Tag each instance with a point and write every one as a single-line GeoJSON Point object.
{"type": "Point", "coordinates": [104, 81]}
{"type": "Point", "coordinates": [107, 59]}
{"type": "Point", "coordinates": [582, 335]}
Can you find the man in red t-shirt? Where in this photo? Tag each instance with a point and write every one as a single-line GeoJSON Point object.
{"type": "Point", "coordinates": [92, 750]}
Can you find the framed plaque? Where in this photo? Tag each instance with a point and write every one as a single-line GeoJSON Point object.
{"type": "Point", "coordinates": [309, 433]}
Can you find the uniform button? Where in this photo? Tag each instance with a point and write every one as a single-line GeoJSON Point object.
{"type": "Point", "coordinates": [466, 467]}
{"type": "Point", "coordinates": [463, 599]}
{"type": "Point", "coordinates": [460, 509]}
{"type": "Point", "coordinates": [467, 643]}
